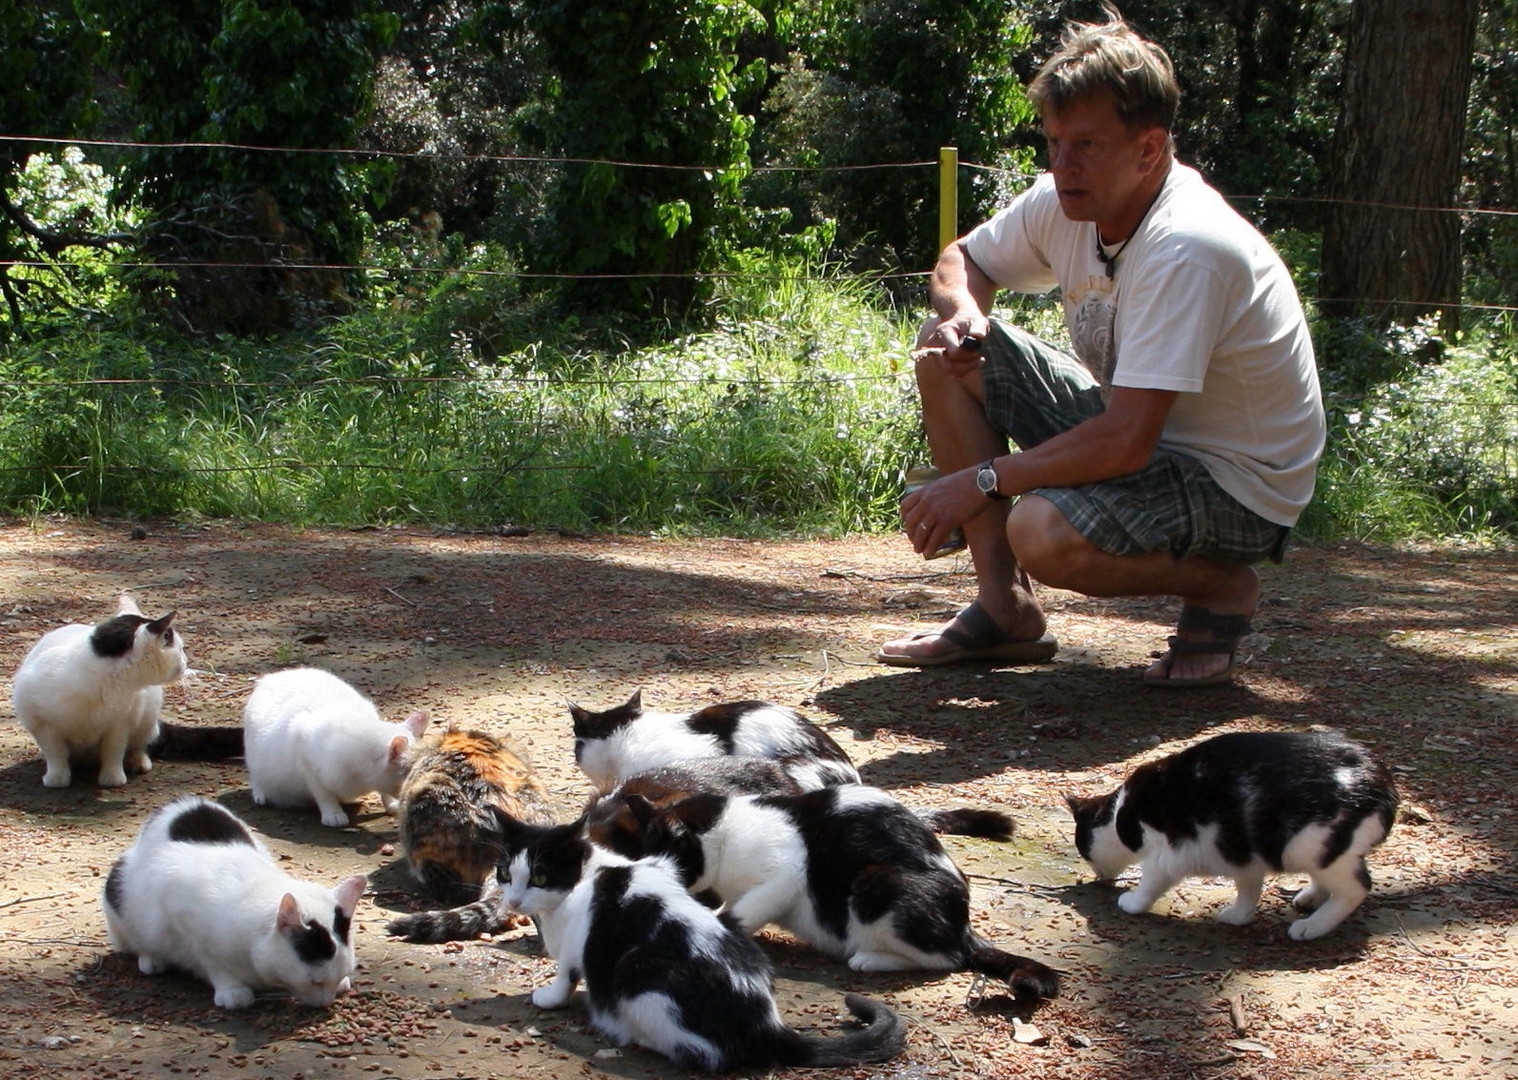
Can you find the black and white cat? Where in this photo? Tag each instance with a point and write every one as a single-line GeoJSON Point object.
{"type": "Point", "coordinates": [311, 738]}
{"type": "Point", "coordinates": [847, 868]}
{"type": "Point", "coordinates": [199, 892]}
{"type": "Point", "coordinates": [91, 695]}
{"type": "Point", "coordinates": [614, 744]}
{"type": "Point", "coordinates": [1245, 805]}
{"type": "Point", "coordinates": [660, 969]}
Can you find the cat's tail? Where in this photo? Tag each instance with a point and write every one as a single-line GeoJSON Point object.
{"type": "Point", "coordinates": [484, 916]}
{"type": "Point", "coordinates": [196, 742]}
{"type": "Point", "coordinates": [1027, 979]}
{"type": "Point", "coordinates": [882, 1039]}
{"type": "Point", "coordinates": [987, 824]}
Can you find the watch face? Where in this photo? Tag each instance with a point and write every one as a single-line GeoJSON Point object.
{"type": "Point", "coordinates": [986, 480]}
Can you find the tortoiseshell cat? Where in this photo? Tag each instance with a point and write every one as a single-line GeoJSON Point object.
{"type": "Point", "coordinates": [448, 834]}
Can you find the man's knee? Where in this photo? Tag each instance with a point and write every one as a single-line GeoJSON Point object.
{"type": "Point", "coordinates": [1046, 544]}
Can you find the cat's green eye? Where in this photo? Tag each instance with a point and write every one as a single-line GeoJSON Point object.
{"type": "Point", "coordinates": [538, 879]}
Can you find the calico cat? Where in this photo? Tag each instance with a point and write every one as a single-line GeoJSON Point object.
{"type": "Point", "coordinates": [1244, 805]}
{"type": "Point", "coordinates": [660, 969]}
{"type": "Point", "coordinates": [613, 745]}
{"type": "Point", "coordinates": [92, 695]}
{"type": "Point", "coordinates": [311, 738]}
{"type": "Point", "coordinates": [847, 869]}
{"type": "Point", "coordinates": [603, 819]}
{"type": "Point", "coordinates": [448, 834]}
{"type": "Point", "coordinates": [199, 892]}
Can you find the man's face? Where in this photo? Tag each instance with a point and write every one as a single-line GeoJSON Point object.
{"type": "Point", "coordinates": [1099, 165]}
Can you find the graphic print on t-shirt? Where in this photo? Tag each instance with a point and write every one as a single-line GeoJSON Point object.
{"type": "Point", "coordinates": [1090, 313]}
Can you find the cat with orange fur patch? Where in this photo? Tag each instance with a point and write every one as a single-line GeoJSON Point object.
{"type": "Point", "coordinates": [448, 834]}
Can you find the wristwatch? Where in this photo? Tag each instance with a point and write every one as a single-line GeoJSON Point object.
{"type": "Point", "coordinates": [985, 479]}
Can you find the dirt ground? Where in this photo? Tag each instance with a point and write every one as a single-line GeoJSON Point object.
{"type": "Point", "coordinates": [1413, 652]}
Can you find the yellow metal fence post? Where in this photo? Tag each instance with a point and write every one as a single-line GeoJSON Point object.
{"type": "Point", "coordinates": [948, 195]}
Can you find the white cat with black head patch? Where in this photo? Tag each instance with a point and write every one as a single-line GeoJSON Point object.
{"type": "Point", "coordinates": [311, 738]}
{"type": "Point", "coordinates": [1246, 805]}
{"type": "Point", "coordinates": [615, 744]}
{"type": "Point", "coordinates": [200, 893]}
{"type": "Point", "coordinates": [93, 693]}
{"type": "Point", "coordinates": [661, 969]}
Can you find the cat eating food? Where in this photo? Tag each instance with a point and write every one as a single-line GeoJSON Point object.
{"type": "Point", "coordinates": [447, 832]}
{"type": "Point", "coordinates": [311, 738]}
{"type": "Point", "coordinates": [199, 892]}
{"type": "Point", "coordinates": [1244, 805]}
{"type": "Point", "coordinates": [660, 969]}
{"type": "Point", "coordinates": [846, 868]}
{"type": "Point", "coordinates": [93, 693]}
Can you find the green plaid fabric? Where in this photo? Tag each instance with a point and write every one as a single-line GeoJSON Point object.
{"type": "Point", "coordinates": [1034, 391]}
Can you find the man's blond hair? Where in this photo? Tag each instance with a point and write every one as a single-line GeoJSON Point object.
{"type": "Point", "coordinates": [1110, 57]}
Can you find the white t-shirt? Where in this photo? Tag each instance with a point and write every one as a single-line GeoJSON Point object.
{"type": "Point", "coordinates": [1200, 303]}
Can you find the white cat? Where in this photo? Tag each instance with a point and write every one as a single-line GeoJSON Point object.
{"type": "Point", "coordinates": [311, 738]}
{"type": "Point", "coordinates": [199, 892]}
{"type": "Point", "coordinates": [88, 693]}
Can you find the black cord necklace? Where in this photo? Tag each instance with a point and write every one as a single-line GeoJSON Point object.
{"type": "Point", "coordinates": [1110, 261]}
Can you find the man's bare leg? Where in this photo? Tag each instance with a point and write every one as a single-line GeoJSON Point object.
{"type": "Point", "coordinates": [959, 435]}
{"type": "Point", "coordinates": [1059, 556]}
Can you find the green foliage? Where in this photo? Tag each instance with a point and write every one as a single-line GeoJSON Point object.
{"type": "Point", "coordinates": [1429, 453]}
{"type": "Point", "coordinates": [789, 416]}
{"type": "Point", "coordinates": [250, 73]}
{"type": "Point", "coordinates": [642, 100]}
{"type": "Point", "coordinates": [872, 83]}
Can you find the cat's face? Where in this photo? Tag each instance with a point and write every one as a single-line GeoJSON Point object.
{"type": "Point", "coordinates": [540, 865]}
{"type": "Point", "coordinates": [1096, 834]}
{"type": "Point", "coordinates": [594, 752]}
{"type": "Point", "coordinates": [152, 646]}
{"type": "Point", "coordinates": [311, 954]}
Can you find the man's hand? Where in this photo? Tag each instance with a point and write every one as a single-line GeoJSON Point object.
{"type": "Point", "coordinates": [955, 344]}
{"type": "Point", "coordinates": [932, 512]}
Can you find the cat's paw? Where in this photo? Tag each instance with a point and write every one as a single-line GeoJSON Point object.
{"type": "Point", "coordinates": [1237, 915]}
{"type": "Point", "coordinates": [111, 778]}
{"type": "Point", "coordinates": [140, 764]}
{"type": "Point", "coordinates": [1308, 929]}
{"type": "Point", "coordinates": [151, 965]}
{"type": "Point", "coordinates": [550, 997]}
{"type": "Point", "coordinates": [234, 997]}
{"type": "Point", "coordinates": [55, 778]}
{"type": "Point", "coordinates": [1134, 903]}
{"type": "Point", "coordinates": [1309, 898]}
{"type": "Point", "coordinates": [335, 819]}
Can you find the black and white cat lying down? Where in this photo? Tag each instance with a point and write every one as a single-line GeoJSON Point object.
{"type": "Point", "coordinates": [662, 970]}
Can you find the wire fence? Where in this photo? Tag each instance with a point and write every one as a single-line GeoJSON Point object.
{"type": "Point", "coordinates": [1498, 437]}
{"type": "Point", "coordinates": [1009, 176]}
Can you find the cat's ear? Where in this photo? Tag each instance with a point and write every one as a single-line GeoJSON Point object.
{"type": "Point", "coordinates": [641, 809]}
{"type": "Point", "coordinates": [348, 892]}
{"type": "Point", "coordinates": [159, 627]}
{"type": "Point", "coordinates": [288, 920]}
{"type": "Point", "coordinates": [417, 722]}
{"type": "Point", "coordinates": [635, 703]}
{"type": "Point", "coordinates": [399, 747]}
{"type": "Point", "coordinates": [125, 605]}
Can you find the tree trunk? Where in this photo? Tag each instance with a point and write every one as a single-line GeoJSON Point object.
{"type": "Point", "coordinates": [1391, 241]}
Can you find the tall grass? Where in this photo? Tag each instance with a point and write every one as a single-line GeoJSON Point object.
{"type": "Point", "coordinates": [790, 415]}
{"type": "Point", "coordinates": [466, 404]}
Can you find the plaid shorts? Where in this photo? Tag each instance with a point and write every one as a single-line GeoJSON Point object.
{"type": "Point", "coordinates": [1034, 391]}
